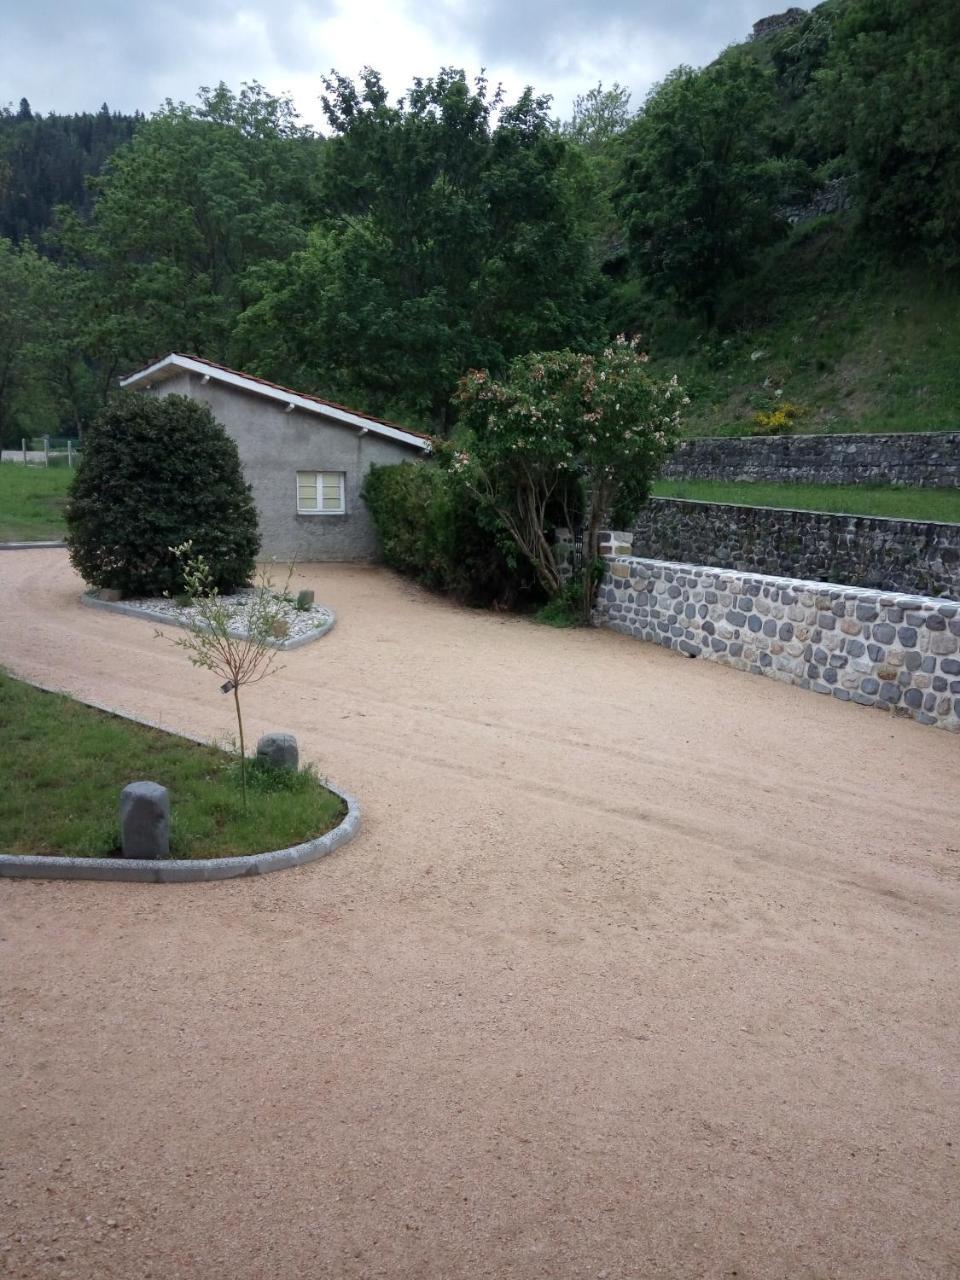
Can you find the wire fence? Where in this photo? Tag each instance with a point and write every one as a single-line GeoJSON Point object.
{"type": "Point", "coordinates": [44, 451]}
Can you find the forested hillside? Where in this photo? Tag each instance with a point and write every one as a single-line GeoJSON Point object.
{"type": "Point", "coordinates": [782, 227]}
{"type": "Point", "coordinates": [45, 161]}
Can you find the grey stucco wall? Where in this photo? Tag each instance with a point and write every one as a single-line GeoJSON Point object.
{"type": "Point", "coordinates": [274, 445]}
{"type": "Point", "coordinates": [865, 551]}
{"type": "Point", "coordinates": [926, 458]}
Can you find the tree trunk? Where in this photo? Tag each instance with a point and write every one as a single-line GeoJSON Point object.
{"type": "Point", "coordinates": [243, 750]}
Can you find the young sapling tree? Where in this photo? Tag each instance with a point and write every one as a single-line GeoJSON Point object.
{"type": "Point", "coordinates": [236, 643]}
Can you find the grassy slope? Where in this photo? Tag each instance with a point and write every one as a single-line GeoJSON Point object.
{"type": "Point", "coordinates": [904, 504]}
{"type": "Point", "coordinates": [63, 766]}
{"type": "Point", "coordinates": [858, 346]}
{"type": "Point", "coordinates": [31, 502]}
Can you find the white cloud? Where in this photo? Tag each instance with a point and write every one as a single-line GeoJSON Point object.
{"type": "Point", "coordinates": [72, 56]}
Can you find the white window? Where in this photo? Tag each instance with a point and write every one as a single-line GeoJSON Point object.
{"type": "Point", "coordinates": [321, 493]}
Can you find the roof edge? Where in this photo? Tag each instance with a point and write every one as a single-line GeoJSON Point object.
{"type": "Point", "coordinates": [273, 391]}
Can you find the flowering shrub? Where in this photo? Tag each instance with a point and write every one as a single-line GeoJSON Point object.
{"type": "Point", "coordinates": [566, 435]}
{"type": "Point", "coordinates": [779, 421]}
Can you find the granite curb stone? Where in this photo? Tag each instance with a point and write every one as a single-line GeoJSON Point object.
{"type": "Point", "coordinates": [164, 619]}
{"type": "Point", "coordinates": [31, 546]}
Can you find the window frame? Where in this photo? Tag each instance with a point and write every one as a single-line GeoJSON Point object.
{"type": "Point", "coordinates": [318, 476]}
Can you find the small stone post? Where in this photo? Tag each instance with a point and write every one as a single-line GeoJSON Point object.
{"type": "Point", "coordinates": [279, 750]}
{"type": "Point", "coordinates": [145, 820]}
{"type": "Point", "coordinates": [23, 446]}
{"type": "Point", "coordinates": [70, 454]}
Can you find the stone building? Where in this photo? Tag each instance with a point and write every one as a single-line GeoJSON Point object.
{"type": "Point", "coordinates": [305, 458]}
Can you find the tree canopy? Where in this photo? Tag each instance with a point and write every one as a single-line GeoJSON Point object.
{"type": "Point", "coordinates": [448, 228]}
{"type": "Point", "coordinates": [888, 100]}
{"type": "Point", "coordinates": [184, 212]}
{"type": "Point", "coordinates": [701, 184]}
{"type": "Point", "coordinates": [451, 235]}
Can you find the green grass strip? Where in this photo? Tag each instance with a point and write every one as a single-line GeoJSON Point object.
{"type": "Point", "coordinates": [862, 500]}
{"type": "Point", "coordinates": [63, 766]}
{"type": "Point", "coordinates": [32, 501]}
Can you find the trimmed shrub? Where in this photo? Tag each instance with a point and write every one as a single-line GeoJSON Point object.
{"type": "Point", "coordinates": [155, 473]}
{"type": "Point", "coordinates": [432, 528]}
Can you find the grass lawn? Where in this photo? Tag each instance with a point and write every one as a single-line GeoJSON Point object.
{"type": "Point", "coordinates": [863, 500]}
{"type": "Point", "coordinates": [32, 501]}
{"type": "Point", "coordinates": [63, 766]}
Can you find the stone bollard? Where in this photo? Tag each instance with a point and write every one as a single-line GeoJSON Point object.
{"type": "Point", "coordinates": [304, 599]}
{"type": "Point", "coordinates": [145, 820]}
{"type": "Point", "coordinates": [279, 750]}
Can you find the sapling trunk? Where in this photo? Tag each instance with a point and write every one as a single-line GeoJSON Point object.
{"type": "Point", "coordinates": [243, 750]}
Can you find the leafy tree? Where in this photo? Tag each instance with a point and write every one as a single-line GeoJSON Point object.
{"type": "Point", "coordinates": [154, 474]}
{"type": "Point", "coordinates": [237, 655]}
{"type": "Point", "coordinates": [183, 213]}
{"type": "Point", "coordinates": [599, 116]}
{"type": "Point", "coordinates": [701, 185]}
{"type": "Point", "coordinates": [30, 375]}
{"type": "Point", "coordinates": [453, 236]}
{"type": "Point", "coordinates": [565, 426]}
{"type": "Point", "coordinates": [888, 100]}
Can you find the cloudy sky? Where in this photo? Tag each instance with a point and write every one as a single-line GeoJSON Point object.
{"type": "Point", "coordinates": [71, 55]}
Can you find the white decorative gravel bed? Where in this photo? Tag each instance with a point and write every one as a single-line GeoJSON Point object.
{"type": "Point", "coordinates": [303, 625]}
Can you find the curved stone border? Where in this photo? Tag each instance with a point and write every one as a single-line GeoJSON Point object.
{"type": "Point", "coordinates": [31, 546]}
{"type": "Point", "coordinates": [164, 619]}
{"type": "Point", "coordinates": [178, 870]}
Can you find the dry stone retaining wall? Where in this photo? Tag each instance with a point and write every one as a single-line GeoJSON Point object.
{"type": "Point", "coordinates": [865, 551]}
{"type": "Point", "coordinates": [929, 459]}
{"type": "Point", "coordinates": [898, 653]}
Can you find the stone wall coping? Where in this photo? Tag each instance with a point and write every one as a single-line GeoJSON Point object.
{"type": "Point", "coordinates": [850, 436]}
{"type": "Point", "coordinates": [177, 870]}
{"type": "Point", "coordinates": [163, 619]}
{"type": "Point", "coordinates": [896, 599]}
{"type": "Point", "coordinates": [801, 511]}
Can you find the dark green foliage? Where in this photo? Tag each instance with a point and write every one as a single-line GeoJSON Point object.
{"type": "Point", "coordinates": [701, 183]}
{"type": "Point", "coordinates": [198, 199]}
{"type": "Point", "coordinates": [156, 473]}
{"type": "Point", "coordinates": [447, 230]}
{"type": "Point", "coordinates": [888, 101]}
{"type": "Point", "coordinates": [432, 528]}
{"type": "Point", "coordinates": [45, 161]}
{"type": "Point", "coordinates": [453, 235]}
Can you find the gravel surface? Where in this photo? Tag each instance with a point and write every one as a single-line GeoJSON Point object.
{"type": "Point", "coordinates": [299, 622]}
{"type": "Point", "coordinates": [640, 968]}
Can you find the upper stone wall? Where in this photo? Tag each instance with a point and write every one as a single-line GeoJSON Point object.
{"type": "Point", "coordinates": [865, 551]}
{"type": "Point", "coordinates": [928, 459]}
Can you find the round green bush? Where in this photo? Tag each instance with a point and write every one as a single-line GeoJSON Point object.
{"type": "Point", "coordinates": [156, 472]}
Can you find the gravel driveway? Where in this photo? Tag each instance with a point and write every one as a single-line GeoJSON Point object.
{"type": "Point", "coordinates": [641, 968]}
